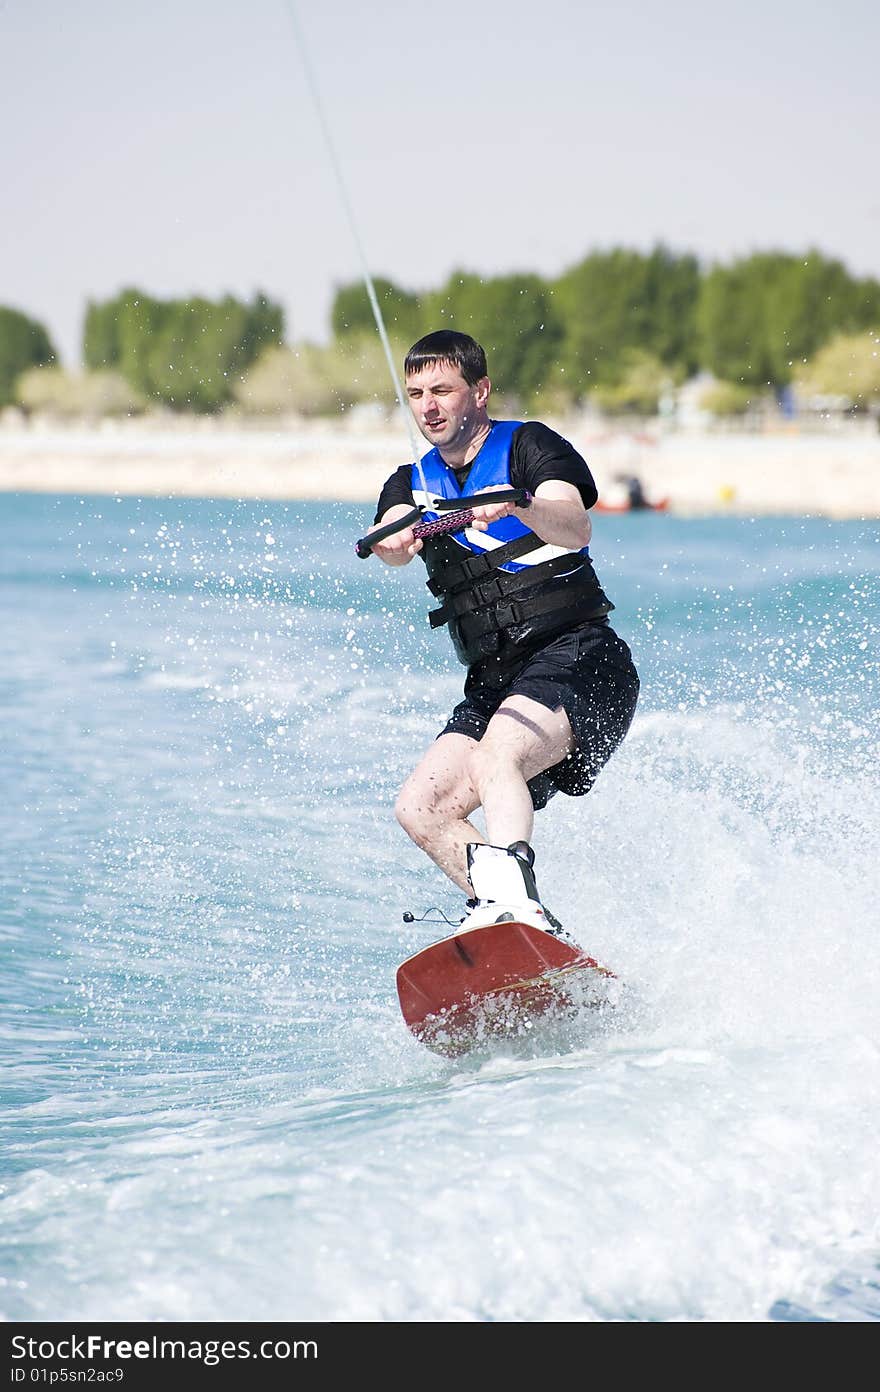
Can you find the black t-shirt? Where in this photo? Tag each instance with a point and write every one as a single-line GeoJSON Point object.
{"type": "Point", "coordinates": [537, 454]}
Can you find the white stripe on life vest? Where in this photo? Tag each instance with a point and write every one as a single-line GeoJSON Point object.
{"type": "Point", "coordinates": [484, 542]}
{"type": "Point", "coordinates": [424, 500]}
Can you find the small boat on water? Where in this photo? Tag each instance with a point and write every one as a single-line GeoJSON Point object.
{"type": "Point", "coordinates": [661, 505]}
{"type": "Point", "coordinates": [629, 496]}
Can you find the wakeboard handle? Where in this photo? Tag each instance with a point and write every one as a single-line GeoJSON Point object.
{"type": "Point", "coordinates": [457, 519]}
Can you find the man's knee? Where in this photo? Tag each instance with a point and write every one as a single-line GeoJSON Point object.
{"type": "Point", "coordinates": [408, 810]}
{"type": "Point", "coordinates": [418, 809]}
{"type": "Point", "coordinates": [429, 800]}
{"type": "Point", "coordinates": [490, 759]}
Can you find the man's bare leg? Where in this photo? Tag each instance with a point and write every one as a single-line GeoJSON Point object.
{"type": "Point", "coordinates": [522, 739]}
{"type": "Point", "coordinates": [459, 774]}
{"type": "Point", "coordinates": [435, 803]}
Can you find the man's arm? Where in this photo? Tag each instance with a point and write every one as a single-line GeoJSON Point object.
{"type": "Point", "coordinates": [556, 514]}
{"type": "Point", "coordinates": [540, 455]}
{"type": "Point", "coordinates": [560, 482]}
{"type": "Point", "coordinates": [399, 548]}
{"type": "Point", "coordinates": [396, 500]}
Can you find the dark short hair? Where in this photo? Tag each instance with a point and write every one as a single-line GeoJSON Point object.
{"type": "Point", "coordinates": [448, 346]}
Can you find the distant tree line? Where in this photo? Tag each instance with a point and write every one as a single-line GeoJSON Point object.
{"type": "Point", "coordinates": [620, 327]}
{"type": "Point", "coordinates": [620, 314]}
{"type": "Point", "coordinates": [183, 353]}
{"type": "Point", "coordinates": [23, 343]}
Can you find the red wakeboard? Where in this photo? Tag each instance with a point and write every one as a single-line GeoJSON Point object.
{"type": "Point", "coordinates": [493, 982]}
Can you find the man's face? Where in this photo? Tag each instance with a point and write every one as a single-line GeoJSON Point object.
{"type": "Point", "coordinates": [446, 409]}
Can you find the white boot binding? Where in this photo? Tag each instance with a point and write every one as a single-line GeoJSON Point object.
{"type": "Point", "coordinates": [503, 881]}
{"type": "Point", "coordinates": [523, 850]}
{"type": "Point", "coordinates": [502, 874]}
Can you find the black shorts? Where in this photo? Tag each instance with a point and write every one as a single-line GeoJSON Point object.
{"type": "Point", "coordinates": [589, 672]}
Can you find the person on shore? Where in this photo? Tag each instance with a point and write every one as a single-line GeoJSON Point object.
{"type": "Point", "coordinates": [551, 689]}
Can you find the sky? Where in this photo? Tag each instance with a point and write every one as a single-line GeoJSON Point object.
{"type": "Point", "coordinates": [177, 146]}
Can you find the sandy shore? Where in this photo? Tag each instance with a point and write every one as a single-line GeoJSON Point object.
{"type": "Point", "coordinates": [831, 475]}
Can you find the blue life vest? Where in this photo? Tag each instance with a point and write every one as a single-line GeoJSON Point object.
{"type": "Point", "coordinates": [505, 588]}
{"type": "Point", "coordinates": [490, 469]}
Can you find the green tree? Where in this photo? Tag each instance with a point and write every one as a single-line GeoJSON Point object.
{"type": "Point", "coordinates": [24, 343]}
{"type": "Point", "coordinates": [848, 366]}
{"type": "Point", "coordinates": [672, 292]}
{"type": "Point", "coordinates": [264, 328]}
{"type": "Point", "coordinates": [810, 300]}
{"type": "Point", "coordinates": [617, 301]}
{"type": "Point", "coordinates": [139, 320]}
{"type": "Point", "coordinates": [725, 399]}
{"type": "Point", "coordinates": [352, 313]}
{"type": "Point", "coordinates": [514, 317]}
{"type": "Point", "coordinates": [190, 358]}
{"type": "Point", "coordinates": [186, 353]}
{"type": "Point", "coordinates": [313, 380]}
{"type": "Point", "coordinates": [100, 335]}
{"type": "Point", "coordinates": [731, 319]}
{"type": "Point", "coordinates": [85, 396]}
{"type": "Point", "coordinates": [759, 316]}
{"type": "Point", "coordinates": [642, 381]}
{"type": "Point", "coordinates": [867, 304]}
{"type": "Point", "coordinates": [301, 380]}
{"type": "Point", "coordinates": [359, 368]}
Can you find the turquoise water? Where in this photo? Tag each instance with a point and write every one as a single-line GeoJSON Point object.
{"type": "Point", "coordinates": [211, 1108]}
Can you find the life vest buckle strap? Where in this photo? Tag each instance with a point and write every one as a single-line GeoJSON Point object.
{"type": "Point", "coordinates": [461, 573]}
{"type": "Point", "coordinates": [490, 590]}
{"type": "Point", "coordinates": [438, 617]}
{"type": "Point", "coordinates": [475, 566]}
{"type": "Point", "coordinates": [487, 621]}
{"type": "Point", "coordinates": [508, 613]}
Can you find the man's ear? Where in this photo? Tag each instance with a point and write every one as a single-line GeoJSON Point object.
{"type": "Point", "coordinates": [484, 386]}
